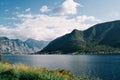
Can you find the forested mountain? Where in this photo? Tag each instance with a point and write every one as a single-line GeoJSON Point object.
{"type": "Point", "coordinates": [100, 38]}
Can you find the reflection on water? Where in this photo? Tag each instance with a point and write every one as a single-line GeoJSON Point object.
{"type": "Point", "coordinates": [106, 67]}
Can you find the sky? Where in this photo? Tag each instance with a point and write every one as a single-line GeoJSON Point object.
{"type": "Point", "coordinates": [49, 19]}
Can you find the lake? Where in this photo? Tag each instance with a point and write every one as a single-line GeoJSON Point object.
{"type": "Point", "coordinates": [107, 67]}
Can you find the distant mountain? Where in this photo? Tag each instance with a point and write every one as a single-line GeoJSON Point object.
{"type": "Point", "coordinates": [35, 44]}
{"type": "Point", "coordinates": [16, 46]}
{"type": "Point", "coordinates": [100, 38]}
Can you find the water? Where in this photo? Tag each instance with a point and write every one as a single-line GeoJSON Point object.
{"type": "Point", "coordinates": [107, 67]}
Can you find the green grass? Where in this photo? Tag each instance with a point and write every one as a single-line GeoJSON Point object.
{"type": "Point", "coordinates": [23, 72]}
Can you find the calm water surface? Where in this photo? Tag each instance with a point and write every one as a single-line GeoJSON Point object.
{"type": "Point", "coordinates": [107, 67]}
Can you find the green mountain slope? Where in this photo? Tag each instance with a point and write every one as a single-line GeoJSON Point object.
{"type": "Point", "coordinates": [67, 43]}
{"type": "Point", "coordinates": [102, 37]}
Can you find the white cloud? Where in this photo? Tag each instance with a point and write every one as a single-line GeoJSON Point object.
{"type": "Point", "coordinates": [28, 9]}
{"type": "Point", "coordinates": [67, 7]}
{"type": "Point", "coordinates": [44, 27]}
{"type": "Point", "coordinates": [25, 16]}
{"type": "Point", "coordinates": [4, 31]}
{"type": "Point", "coordinates": [86, 18]}
{"type": "Point", "coordinates": [44, 8]}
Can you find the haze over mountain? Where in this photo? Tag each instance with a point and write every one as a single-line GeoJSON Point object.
{"type": "Point", "coordinates": [16, 46]}
{"type": "Point", "coordinates": [102, 37]}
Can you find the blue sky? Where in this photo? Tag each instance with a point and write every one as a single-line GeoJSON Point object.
{"type": "Point", "coordinates": [48, 19]}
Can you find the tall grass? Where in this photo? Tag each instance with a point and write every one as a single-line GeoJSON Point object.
{"type": "Point", "coordinates": [23, 72]}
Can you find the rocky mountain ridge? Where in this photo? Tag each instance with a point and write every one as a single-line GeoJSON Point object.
{"type": "Point", "coordinates": [16, 46]}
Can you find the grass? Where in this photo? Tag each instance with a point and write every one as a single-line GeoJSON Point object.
{"type": "Point", "coordinates": [23, 72]}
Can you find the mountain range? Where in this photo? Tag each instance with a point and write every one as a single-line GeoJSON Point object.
{"type": "Point", "coordinates": [16, 46]}
{"type": "Point", "coordinates": [100, 38]}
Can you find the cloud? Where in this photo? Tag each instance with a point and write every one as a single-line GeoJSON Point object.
{"type": "Point", "coordinates": [44, 9]}
{"type": "Point", "coordinates": [22, 16]}
{"type": "Point", "coordinates": [44, 27]}
{"type": "Point", "coordinates": [4, 31]}
{"type": "Point", "coordinates": [67, 7]}
{"type": "Point", "coordinates": [85, 18]}
{"type": "Point", "coordinates": [28, 9]}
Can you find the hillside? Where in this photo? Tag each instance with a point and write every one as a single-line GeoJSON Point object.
{"type": "Point", "coordinates": [100, 38]}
